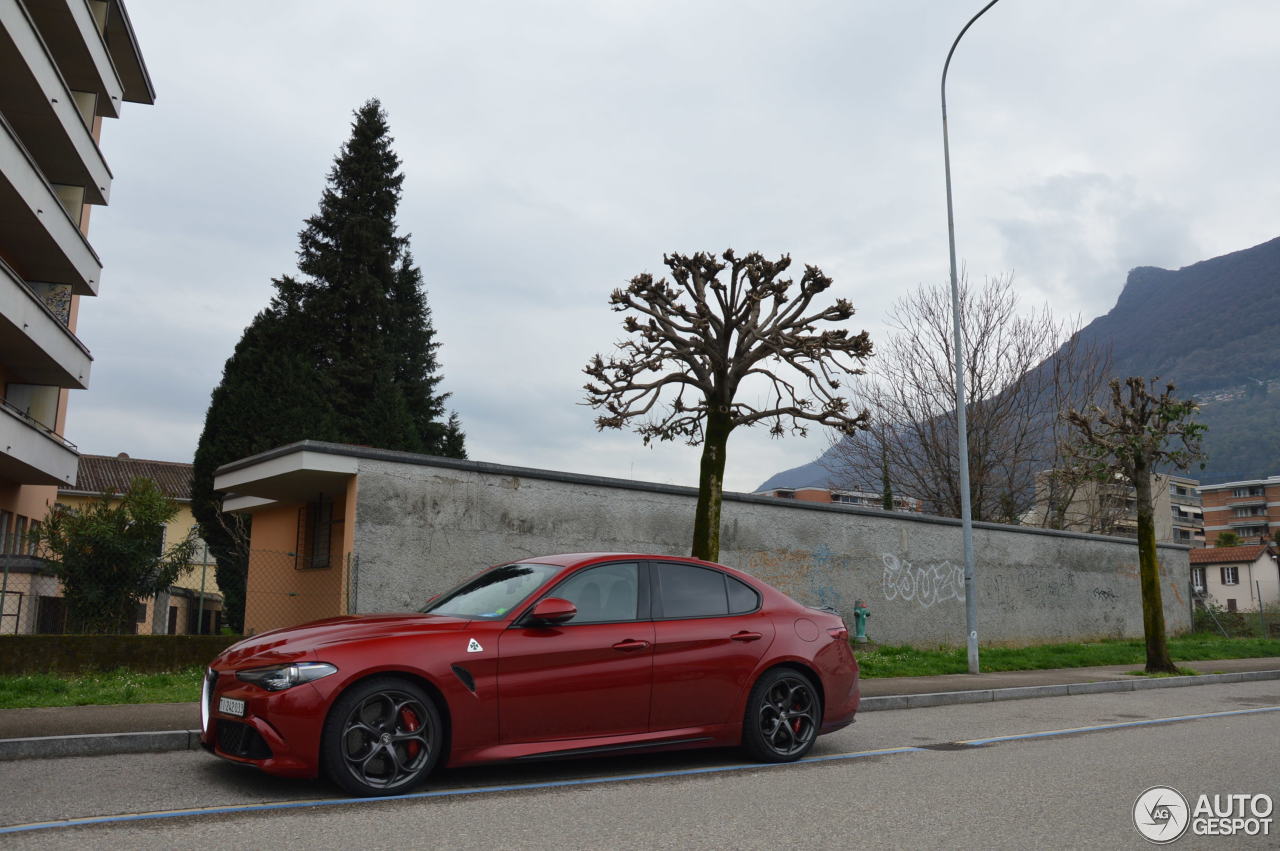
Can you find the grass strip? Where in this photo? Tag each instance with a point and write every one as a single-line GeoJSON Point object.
{"type": "Point", "coordinates": [904, 661]}
{"type": "Point", "coordinates": [107, 687]}
{"type": "Point", "coordinates": [123, 686]}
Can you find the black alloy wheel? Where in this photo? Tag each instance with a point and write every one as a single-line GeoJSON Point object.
{"type": "Point", "coordinates": [783, 715]}
{"type": "Point", "coordinates": [382, 736]}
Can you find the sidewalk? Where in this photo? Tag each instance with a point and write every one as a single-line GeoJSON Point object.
{"type": "Point", "coordinates": [137, 728]}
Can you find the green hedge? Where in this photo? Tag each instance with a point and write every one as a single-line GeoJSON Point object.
{"type": "Point", "coordinates": [34, 654]}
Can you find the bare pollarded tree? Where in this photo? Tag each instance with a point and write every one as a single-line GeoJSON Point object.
{"type": "Point", "coordinates": [695, 344]}
{"type": "Point", "coordinates": [1022, 372]}
{"type": "Point", "coordinates": [1139, 429]}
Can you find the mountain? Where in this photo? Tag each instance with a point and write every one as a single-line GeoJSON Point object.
{"type": "Point", "coordinates": [1213, 329]}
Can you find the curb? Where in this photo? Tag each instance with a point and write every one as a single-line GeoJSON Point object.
{"type": "Point", "coordinates": [99, 744]}
{"type": "Point", "coordinates": [103, 744]}
{"type": "Point", "coordinates": [985, 695]}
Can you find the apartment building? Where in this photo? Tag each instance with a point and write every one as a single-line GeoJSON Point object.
{"type": "Point", "coordinates": [65, 65]}
{"type": "Point", "coordinates": [867, 499]}
{"type": "Point", "coordinates": [1111, 508]}
{"type": "Point", "coordinates": [1250, 508]}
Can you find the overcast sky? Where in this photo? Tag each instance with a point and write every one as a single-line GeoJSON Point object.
{"type": "Point", "coordinates": [552, 150]}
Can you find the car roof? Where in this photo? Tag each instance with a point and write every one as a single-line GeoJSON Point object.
{"type": "Point", "coordinates": [572, 559]}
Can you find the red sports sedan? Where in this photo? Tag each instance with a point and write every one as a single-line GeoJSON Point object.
{"type": "Point", "coordinates": [565, 655]}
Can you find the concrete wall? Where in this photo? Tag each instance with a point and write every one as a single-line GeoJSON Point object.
{"type": "Point", "coordinates": [423, 524]}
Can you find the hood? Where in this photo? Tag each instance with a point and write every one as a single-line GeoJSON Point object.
{"type": "Point", "coordinates": [295, 643]}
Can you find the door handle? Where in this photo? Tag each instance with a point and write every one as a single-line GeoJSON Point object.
{"type": "Point", "coordinates": [746, 636]}
{"type": "Point", "coordinates": [630, 644]}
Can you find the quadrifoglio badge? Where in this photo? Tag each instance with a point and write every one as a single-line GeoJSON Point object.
{"type": "Point", "coordinates": [1162, 814]}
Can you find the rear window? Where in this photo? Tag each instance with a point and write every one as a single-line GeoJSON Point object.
{"type": "Point", "coordinates": [742, 597]}
{"type": "Point", "coordinates": [688, 591]}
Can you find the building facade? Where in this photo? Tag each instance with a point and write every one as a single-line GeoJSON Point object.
{"type": "Point", "coordinates": [1251, 509]}
{"type": "Point", "coordinates": [191, 606]}
{"type": "Point", "coordinates": [65, 65]}
{"type": "Point", "coordinates": [866, 499]}
{"type": "Point", "coordinates": [1238, 579]}
{"type": "Point", "coordinates": [1111, 508]}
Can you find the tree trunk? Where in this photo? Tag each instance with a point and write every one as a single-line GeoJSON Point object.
{"type": "Point", "coordinates": [706, 522]}
{"type": "Point", "coordinates": [1158, 660]}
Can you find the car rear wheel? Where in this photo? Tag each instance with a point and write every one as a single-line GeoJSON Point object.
{"type": "Point", "coordinates": [783, 716]}
{"type": "Point", "coordinates": [382, 737]}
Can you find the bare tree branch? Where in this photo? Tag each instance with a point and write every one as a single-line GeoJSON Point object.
{"type": "Point", "coordinates": [1022, 371]}
{"type": "Point", "coordinates": [716, 339]}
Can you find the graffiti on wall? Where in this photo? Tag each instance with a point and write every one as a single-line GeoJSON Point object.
{"type": "Point", "coordinates": [925, 586]}
{"type": "Point", "coordinates": [813, 576]}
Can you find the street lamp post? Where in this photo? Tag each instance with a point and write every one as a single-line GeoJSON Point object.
{"type": "Point", "coordinates": [962, 421]}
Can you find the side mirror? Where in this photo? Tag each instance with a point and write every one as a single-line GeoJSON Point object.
{"type": "Point", "coordinates": [553, 610]}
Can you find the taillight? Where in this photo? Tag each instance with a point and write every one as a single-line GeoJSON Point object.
{"type": "Point", "coordinates": [839, 632]}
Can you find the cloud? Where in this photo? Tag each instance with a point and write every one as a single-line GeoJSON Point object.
{"type": "Point", "coordinates": [554, 149]}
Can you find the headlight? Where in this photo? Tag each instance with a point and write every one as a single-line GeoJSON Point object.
{"type": "Point", "coordinates": [280, 677]}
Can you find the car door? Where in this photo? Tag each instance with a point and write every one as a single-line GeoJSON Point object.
{"type": "Point", "coordinates": [709, 637]}
{"type": "Point", "coordinates": [588, 677]}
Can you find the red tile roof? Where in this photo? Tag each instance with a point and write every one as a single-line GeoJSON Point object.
{"type": "Point", "coordinates": [113, 474]}
{"type": "Point", "coordinates": [1223, 555]}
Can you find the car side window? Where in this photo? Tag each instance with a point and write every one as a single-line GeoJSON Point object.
{"type": "Point", "coordinates": [742, 597]}
{"type": "Point", "coordinates": [688, 591]}
{"type": "Point", "coordinates": [602, 594]}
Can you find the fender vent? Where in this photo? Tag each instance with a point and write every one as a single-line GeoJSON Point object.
{"type": "Point", "coordinates": [465, 677]}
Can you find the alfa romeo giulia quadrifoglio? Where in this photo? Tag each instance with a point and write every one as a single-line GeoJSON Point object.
{"type": "Point", "coordinates": [559, 656]}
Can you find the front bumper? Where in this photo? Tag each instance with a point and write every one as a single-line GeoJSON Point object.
{"type": "Point", "coordinates": [279, 732]}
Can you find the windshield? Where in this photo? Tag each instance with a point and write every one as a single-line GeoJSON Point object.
{"type": "Point", "coordinates": [494, 593]}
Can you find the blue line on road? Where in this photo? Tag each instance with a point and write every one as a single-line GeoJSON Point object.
{"type": "Point", "coordinates": [415, 796]}
{"type": "Point", "coordinates": [588, 781]}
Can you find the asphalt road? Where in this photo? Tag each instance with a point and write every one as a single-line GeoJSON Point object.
{"type": "Point", "coordinates": [894, 779]}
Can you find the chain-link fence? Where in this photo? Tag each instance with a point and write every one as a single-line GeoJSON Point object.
{"type": "Point", "coordinates": [11, 612]}
{"type": "Point", "coordinates": [1212, 618]}
{"type": "Point", "coordinates": [286, 588]}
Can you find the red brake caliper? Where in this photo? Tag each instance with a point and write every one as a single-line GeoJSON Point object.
{"type": "Point", "coordinates": [410, 722]}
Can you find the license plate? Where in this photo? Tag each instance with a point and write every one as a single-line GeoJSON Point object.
{"type": "Point", "coordinates": [231, 706]}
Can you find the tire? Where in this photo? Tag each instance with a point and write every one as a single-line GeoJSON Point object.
{"type": "Point", "coordinates": [382, 737]}
{"type": "Point", "coordinates": [784, 713]}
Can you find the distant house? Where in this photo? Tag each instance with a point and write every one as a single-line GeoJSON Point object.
{"type": "Point", "coordinates": [1238, 579]}
{"type": "Point", "coordinates": [192, 605]}
{"type": "Point", "coordinates": [867, 499]}
{"type": "Point", "coordinates": [1249, 508]}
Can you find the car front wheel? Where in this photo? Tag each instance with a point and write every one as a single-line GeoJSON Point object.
{"type": "Point", "coordinates": [382, 737]}
{"type": "Point", "coordinates": [783, 716]}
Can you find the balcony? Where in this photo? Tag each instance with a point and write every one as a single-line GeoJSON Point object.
{"type": "Point", "coordinates": [36, 347]}
{"type": "Point", "coordinates": [42, 110]}
{"type": "Point", "coordinates": [73, 36]}
{"type": "Point", "coordinates": [31, 454]}
{"type": "Point", "coordinates": [38, 238]}
{"type": "Point", "coordinates": [123, 45]}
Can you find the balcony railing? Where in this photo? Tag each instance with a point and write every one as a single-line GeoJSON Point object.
{"type": "Point", "coordinates": [55, 305]}
{"type": "Point", "coordinates": [10, 408]}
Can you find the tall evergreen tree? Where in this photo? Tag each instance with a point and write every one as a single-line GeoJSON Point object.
{"type": "Point", "coordinates": [344, 352]}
